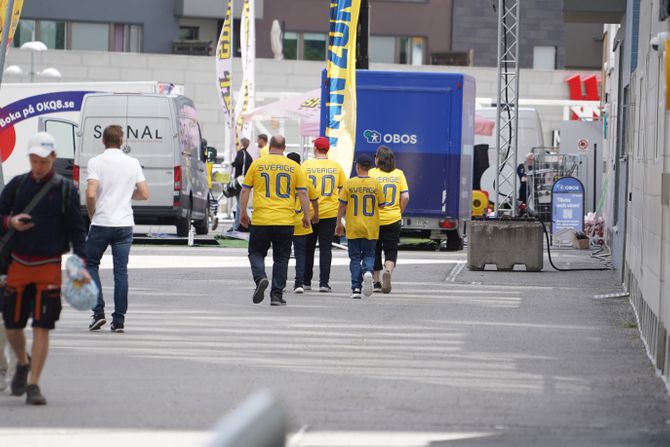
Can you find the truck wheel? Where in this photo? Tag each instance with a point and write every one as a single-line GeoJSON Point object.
{"type": "Point", "coordinates": [454, 241]}
{"type": "Point", "coordinates": [201, 226]}
{"type": "Point", "coordinates": [184, 225]}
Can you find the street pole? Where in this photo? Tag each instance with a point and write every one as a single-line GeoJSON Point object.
{"type": "Point", "coordinates": [3, 54]}
{"type": "Point", "coordinates": [363, 32]}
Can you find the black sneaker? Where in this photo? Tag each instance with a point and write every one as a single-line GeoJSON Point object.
{"type": "Point", "coordinates": [117, 327]}
{"type": "Point", "coordinates": [377, 287]}
{"type": "Point", "coordinates": [277, 301]}
{"type": "Point", "coordinates": [259, 293]}
{"type": "Point", "coordinates": [34, 396]}
{"type": "Point", "coordinates": [356, 294]}
{"type": "Point", "coordinates": [97, 322]}
{"type": "Point", "coordinates": [325, 288]}
{"type": "Point", "coordinates": [20, 379]}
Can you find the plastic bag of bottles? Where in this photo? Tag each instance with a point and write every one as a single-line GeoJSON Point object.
{"type": "Point", "coordinates": [78, 294]}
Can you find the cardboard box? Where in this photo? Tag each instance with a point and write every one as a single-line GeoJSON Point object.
{"type": "Point", "coordinates": [581, 244]}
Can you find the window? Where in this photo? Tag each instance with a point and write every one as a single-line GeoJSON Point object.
{"type": "Point", "coordinates": [304, 46]}
{"type": "Point", "coordinates": [64, 134]}
{"type": "Point", "coordinates": [188, 33]}
{"type": "Point", "coordinates": [290, 46]}
{"type": "Point", "coordinates": [90, 36]}
{"type": "Point", "coordinates": [382, 49]}
{"type": "Point", "coordinates": [52, 34]}
{"type": "Point", "coordinates": [25, 32]}
{"type": "Point", "coordinates": [80, 35]}
{"type": "Point", "coordinates": [397, 49]}
{"type": "Point", "coordinates": [314, 47]}
{"type": "Point", "coordinates": [544, 58]}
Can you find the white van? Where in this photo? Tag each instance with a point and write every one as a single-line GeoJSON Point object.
{"type": "Point", "coordinates": [162, 132]}
{"type": "Point", "coordinates": [530, 132]}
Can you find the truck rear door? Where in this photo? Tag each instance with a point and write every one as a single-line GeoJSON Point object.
{"type": "Point", "coordinates": [64, 132]}
{"type": "Point", "coordinates": [149, 137]}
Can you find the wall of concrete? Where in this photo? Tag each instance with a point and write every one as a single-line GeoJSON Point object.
{"type": "Point", "coordinates": [197, 75]}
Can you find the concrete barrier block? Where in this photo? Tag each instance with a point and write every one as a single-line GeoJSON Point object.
{"type": "Point", "coordinates": [505, 243]}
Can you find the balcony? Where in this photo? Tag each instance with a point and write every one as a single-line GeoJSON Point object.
{"type": "Point", "coordinates": [594, 11]}
{"type": "Point", "coordinates": [193, 47]}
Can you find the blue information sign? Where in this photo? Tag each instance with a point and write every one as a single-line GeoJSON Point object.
{"type": "Point", "coordinates": [567, 205]}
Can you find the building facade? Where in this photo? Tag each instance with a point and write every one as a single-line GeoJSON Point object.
{"type": "Point", "coordinates": [637, 159]}
{"type": "Point", "coordinates": [411, 32]}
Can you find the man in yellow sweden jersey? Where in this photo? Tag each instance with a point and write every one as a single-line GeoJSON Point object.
{"type": "Point", "coordinates": [276, 180]}
{"type": "Point", "coordinates": [360, 199]}
{"type": "Point", "coordinates": [300, 233]}
{"type": "Point", "coordinates": [396, 198]}
{"type": "Point", "coordinates": [327, 177]}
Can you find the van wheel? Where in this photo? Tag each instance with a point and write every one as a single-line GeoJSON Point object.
{"type": "Point", "coordinates": [184, 225]}
{"type": "Point", "coordinates": [454, 241]}
{"type": "Point", "coordinates": [201, 226]}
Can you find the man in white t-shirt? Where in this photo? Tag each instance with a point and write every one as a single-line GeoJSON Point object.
{"type": "Point", "coordinates": [114, 179]}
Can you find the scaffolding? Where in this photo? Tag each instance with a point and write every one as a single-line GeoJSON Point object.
{"type": "Point", "coordinates": [507, 107]}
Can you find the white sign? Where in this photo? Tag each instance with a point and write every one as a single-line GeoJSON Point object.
{"type": "Point", "coordinates": [583, 144]}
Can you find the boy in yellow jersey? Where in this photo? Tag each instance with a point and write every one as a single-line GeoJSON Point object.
{"type": "Point", "coordinates": [327, 177]}
{"type": "Point", "coordinates": [301, 233]}
{"type": "Point", "coordinates": [396, 197]}
{"type": "Point", "coordinates": [276, 181]}
{"type": "Point", "coordinates": [360, 199]}
{"type": "Point", "coordinates": [262, 143]}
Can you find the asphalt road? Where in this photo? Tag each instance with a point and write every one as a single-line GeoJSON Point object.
{"type": "Point", "coordinates": [450, 358]}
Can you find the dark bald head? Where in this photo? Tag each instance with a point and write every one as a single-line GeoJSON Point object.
{"type": "Point", "coordinates": [278, 142]}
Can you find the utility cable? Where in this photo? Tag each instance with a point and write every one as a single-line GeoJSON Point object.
{"type": "Point", "coordinates": [546, 235]}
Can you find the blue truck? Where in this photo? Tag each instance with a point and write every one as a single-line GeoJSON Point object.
{"type": "Point", "coordinates": [427, 119]}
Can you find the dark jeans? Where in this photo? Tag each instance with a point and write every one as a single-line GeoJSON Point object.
{"type": "Point", "coordinates": [120, 238]}
{"type": "Point", "coordinates": [260, 239]}
{"type": "Point", "coordinates": [299, 244]}
{"type": "Point", "coordinates": [389, 238]}
{"type": "Point", "coordinates": [361, 259]}
{"type": "Point", "coordinates": [323, 231]}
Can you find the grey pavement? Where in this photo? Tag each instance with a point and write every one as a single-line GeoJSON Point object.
{"type": "Point", "coordinates": [450, 358]}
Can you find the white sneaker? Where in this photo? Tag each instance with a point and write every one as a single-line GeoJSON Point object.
{"type": "Point", "coordinates": [3, 378]}
{"type": "Point", "coordinates": [298, 290]}
{"type": "Point", "coordinates": [356, 294]}
{"type": "Point", "coordinates": [367, 284]}
{"type": "Point", "coordinates": [386, 282]}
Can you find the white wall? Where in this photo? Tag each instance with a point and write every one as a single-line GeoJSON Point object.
{"type": "Point", "coordinates": [197, 75]}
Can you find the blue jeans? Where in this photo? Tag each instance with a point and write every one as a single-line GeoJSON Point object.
{"type": "Point", "coordinates": [120, 238]}
{"type": "Point", "coordinates": [361, 259]}
{"type": "Point", "coordinates": [260, 239]}
{"type": "Point", "coordinates": [299, 246]}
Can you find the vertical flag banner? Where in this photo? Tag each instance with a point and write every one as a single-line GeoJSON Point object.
{"type": "Point", "coordinates": [246, 96]}
{"type": "Point", "coordinates": [224, 68]}
{"type": "Point", "coordinates": [341, 81]}
{"type": "Point", "coordinates": [16, 14]}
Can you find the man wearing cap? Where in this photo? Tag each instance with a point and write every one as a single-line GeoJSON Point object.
{"type": "Point", "coordinates": [32, 288]}
{"type": "Point", "coordinates": [327, 177]}
{"type": "Point", "coordinates": [114, 180]}
{"type": "Point", "coordinates": [360, 200]}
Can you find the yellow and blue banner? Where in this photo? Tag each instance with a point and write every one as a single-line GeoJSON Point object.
{"type": "Point", "coordinates": [340, 98]}
{"type": "Point", "coordinates": [16, 15]}
{"type": "Point", "coordinates": [246, 96]}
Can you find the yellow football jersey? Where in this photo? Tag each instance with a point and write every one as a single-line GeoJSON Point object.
{"type": "Point", "coordinates": [393, 184]}
{"type": "Point", "coordinates": [299, 230]}
{"type": "Point", "coordinates": [275, 180]}
{"type": "Point", "coordinates": [363, 196]}
{"type": "Point", "coordinates": [265, 150]}
{"type": "Point", "coordinates": [327, 177]}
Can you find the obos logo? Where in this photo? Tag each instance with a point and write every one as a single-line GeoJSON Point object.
{"type": "Point", "coordinates": [375, 137]}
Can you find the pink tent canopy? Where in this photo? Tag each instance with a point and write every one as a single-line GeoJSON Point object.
{"type": "Point", "coordinates": [306, 107]}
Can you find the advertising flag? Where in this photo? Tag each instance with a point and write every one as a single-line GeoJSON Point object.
{"type": "Point", "coordinates": [224, 67]}
{"type": "Point", "coordinates": [246, 96]}
{"type": "Point", "coordinates": [340, 96]}
{"type": "Point", "coordinates": [16, 14]}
